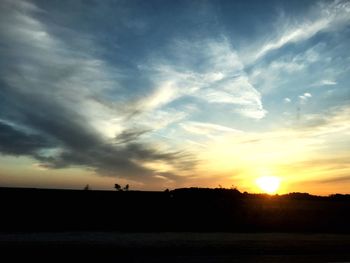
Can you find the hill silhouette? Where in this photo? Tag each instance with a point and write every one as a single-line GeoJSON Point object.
{"type": "Point", "coordinates": [186, 209]}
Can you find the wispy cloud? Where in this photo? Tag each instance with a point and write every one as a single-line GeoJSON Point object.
{"type": "Point", "coordinates": [324, 17]}
{"type": "Point", "coordinates": [327, 121]}
{"type": "Point", "coordinates": [209, 70]}
{"type": "Point", "coordinates": [269, 75]}
{"type": "Point", "coordinates": [207, 129]}
{"type": "Point", "coordinates": [324, 82]}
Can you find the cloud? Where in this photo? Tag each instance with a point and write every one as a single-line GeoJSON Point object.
{"type": "Point", "coordinates": [288, 151]}
{"type": "Point", "coordinates": [162, 95]}
{"type": "Point", "coordinates": [18, 142]}
{"type": "Point", "coordinates": [147, 102]}
{"type": "Point", "coordinates": [340, 179]}
{"type": "Point", "coordinates": [124, 161]}
{"type": "Point", "coordinates": [324, 82]}
{"type": "Point", "coordinates": [130, 135]}
{"type": "Point", "coordinates": [304, 98]}
{"type": "Point", "coordinates": [233, 90]}
{"type": "Point", "coordinates": [328, 82]}
{"type": "Point", "coordinates": [332, 120]}
{"type": "Point", "coordinates": [330, 170]}
{"type": "Point", "coordinates": [57, 95]}
{"type": "Point", "coordinates": [324, 17]}
{"type": "Point", "coordinates": [208, 70]}
{"type": "Point", "coordinates": [267, 75]}
{"type": "Point", "coordinates": [208, 129]}
{"type": "Point", "coordinates": [288, 67]}
{"type": "Point", "coordinates": [157, 120]}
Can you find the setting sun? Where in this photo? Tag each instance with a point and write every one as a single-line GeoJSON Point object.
{"type": "Point", "coordinates": [269, 184]}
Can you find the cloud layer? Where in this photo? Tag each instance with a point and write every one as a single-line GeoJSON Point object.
{"type": "Point", "coordinates": [148, 92]}
{"type": "Point", "coordinates": [52, 105]}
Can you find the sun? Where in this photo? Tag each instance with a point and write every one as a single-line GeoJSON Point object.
{"type": "Point", "coordinates": [269, 184]}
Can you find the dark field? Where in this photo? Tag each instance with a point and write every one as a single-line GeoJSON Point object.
{"type": "Point", "coordinates": [180, 210]}
{"type": "Point", "coordinates": [184, 225]}
{"type": "Point", "coordinates": [179, 247]}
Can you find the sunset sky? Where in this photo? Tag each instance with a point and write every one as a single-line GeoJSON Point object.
{"type": "Point", "coordinates": [167, 94]}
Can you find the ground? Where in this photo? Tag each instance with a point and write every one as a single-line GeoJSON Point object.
{"type": "Point", "coordinates": [179, 247]}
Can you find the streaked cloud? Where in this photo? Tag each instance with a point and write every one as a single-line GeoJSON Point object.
{"type": "Point", "coordinates": [220, 78]}
{"type": "Point", "coordinates": [207, 129]}
{"type": "Point", "coordinates": [323, 17]}
{"type": "Point", "coordinates": [324, 82]}
{"type": "Point", "coordinates": [268, 75]}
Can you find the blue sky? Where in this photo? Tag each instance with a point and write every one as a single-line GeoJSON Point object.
{"type": "Point", "coordinates": [175, 93]}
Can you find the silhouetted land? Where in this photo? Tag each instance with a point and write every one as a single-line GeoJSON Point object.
{"type": "Point", "coordinates": [190, 209]}
{"type": "Point", "coordinates": [184, 225]}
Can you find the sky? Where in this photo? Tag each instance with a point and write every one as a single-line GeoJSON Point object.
{"type": "Point", "coordinates": [168, 94]}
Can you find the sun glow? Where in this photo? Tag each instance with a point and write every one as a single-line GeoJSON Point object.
{"type": "Point", "coordinates": [269, 184]}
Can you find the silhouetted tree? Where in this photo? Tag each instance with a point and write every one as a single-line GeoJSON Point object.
{"type": "Point", "coordinates": [126, 188]}
{"type": "Point", "coordinates": [117, 187]}
{"type": "Point", "coordinates": [87, 187]}
{"type": "Point", "coordinates": [234, 187]}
